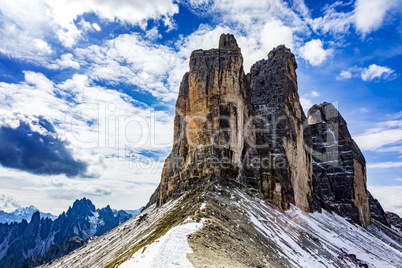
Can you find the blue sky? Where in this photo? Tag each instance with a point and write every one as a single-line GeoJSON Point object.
{"type": "Point", "coordinates": [87, 88]}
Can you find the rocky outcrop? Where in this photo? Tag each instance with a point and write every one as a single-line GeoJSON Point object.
{"type": "Point", "coordinates": [281, 135]}
{"type": "Point", "coordinates": [235, 228]}
{"type": "Point", "coordinates": [211, 115]}
{"type": "Point", "coordinates": [394, 220]}
{"type": "Point", "coordinates": [251, 130]}
{"type": "Point", "coordinates": [339, 168]}
{"type": "Point", "coordinates": [376, 210]}
{"type": "Point", "coordinates": [220, 128]}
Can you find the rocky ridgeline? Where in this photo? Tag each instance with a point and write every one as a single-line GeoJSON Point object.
{"type": "Point", "coordinates": [251, 131]}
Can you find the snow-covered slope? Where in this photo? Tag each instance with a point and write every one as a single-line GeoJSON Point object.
{"type": "Point", "coordinates": [168, 251]}
{"type": "Point", "coordinates": [227, 227]}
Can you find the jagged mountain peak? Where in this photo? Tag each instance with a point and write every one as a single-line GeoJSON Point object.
{"type": "Point", "coordinates": [35, 217]}
{"type": "Point", "coordinates": [81, 207]}
{"type": "Point", "coordinates": [83, 203]}
{"type": "Point", "coordinates": [282, 52]}
{"type": "Point", "coordinates": [44, 239]}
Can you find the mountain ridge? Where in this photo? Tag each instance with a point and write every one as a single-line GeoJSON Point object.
{"type": "Point", "coordinates": [22, 240]}
{"type": "Point", "coordinates": [251, 181]}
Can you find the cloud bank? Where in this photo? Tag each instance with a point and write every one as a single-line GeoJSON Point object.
{"type": "Point", "coordinates": [34, 146]}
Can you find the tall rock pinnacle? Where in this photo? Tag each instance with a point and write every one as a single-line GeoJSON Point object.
{"type": "Point", "coordinates": [211, 112]}
{"type": "Point", "coordinates": [340, 182]}
{"type": "Point", "coordinates": [282, 136]}
{"type": "Point", "coordinates": [250, 131]}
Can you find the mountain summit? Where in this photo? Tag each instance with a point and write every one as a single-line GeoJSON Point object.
{"type": "Point", "coordinates": [251, 181]}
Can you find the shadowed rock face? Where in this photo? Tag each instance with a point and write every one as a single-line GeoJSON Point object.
{"type": "Point", "coordinates": [221, 131]}
{"type": "Point", "coordinates": [281, 135]}
{"type": "Point", "coordinates": [250, 130]}
{"type": "Point", "coordinates": [211, 112]}
{"type": "Point", "coordinates": [339, 168]}
{"type": "Point", "coordinates": [394, 220]}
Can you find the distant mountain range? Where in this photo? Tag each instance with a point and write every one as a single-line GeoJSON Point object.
{"type": "Point", "coordinates": [25, 213]}
{"type": "Point", "coordinates": [22, 214]}
{"type": "Point", "coordinates": [44, 237]}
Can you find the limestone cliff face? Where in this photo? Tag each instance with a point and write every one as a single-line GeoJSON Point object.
{"type": "Point", "coordinates": [394, 220]}
{"type": "Point", "coordinates": [251, 131]}
{"type": "Point", "coordinates": [229, 127]}
{"type": "Point", "coordinates": [212, 110]}
{"type": "Point", "coordinates": [281, 134]}
{"type": "Point", "coordinates": [339, 181]}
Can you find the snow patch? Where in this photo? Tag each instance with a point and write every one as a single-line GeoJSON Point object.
{"type": "Point", "coordinates": [168, 251]}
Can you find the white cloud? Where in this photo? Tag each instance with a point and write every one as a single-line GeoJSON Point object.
{"type": "Point", "coordinates": [369, 14]}
{"type": "Point", "coordinates": [372, 72]}
{"type": "Point", "coordinates": [375, 71]}
{"type": "Point", "coordinates": [97, 140]}
{"type": "Point", "coordinates": [385, 136]}
{"type": "Point", "coordinates": [24, 30]}
{"type": "Point", "coordinates": [42, 46]}
{"type": "Point", "coordinates": [385, 165]}
{"type": "Point", "coordinates": [27, 23]}
{"type": "Point", "coordinates": [306, 103]}
{"type": "Point", "coordinates": [389, 197]}
{"type": "Point", "coordinates": [344, 75]}
{"type": "Point", "coordinates": [132, 59]}
{"type": "Point", "coordinates": [314, 52]}
{"type": "Point", "coordinates": [8, 204]}
{"type": "Point", "coordinates": [130, 11]}
{"type": "Point", "coordinates": [153, 34]}
{"type": "Point", "coordinates": [65, 61]}
{"type": "Point", "coordinates": [332, 22]}
{"type": "Point", "coordinates": [275, 33]}
{"type": "Point", "coordinates": [136, 12]}
{"type": "Point", "coordinates": [259, 25]}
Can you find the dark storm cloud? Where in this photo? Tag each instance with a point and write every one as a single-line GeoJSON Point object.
{"type": "Point", "coordinates": [35, 147]}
